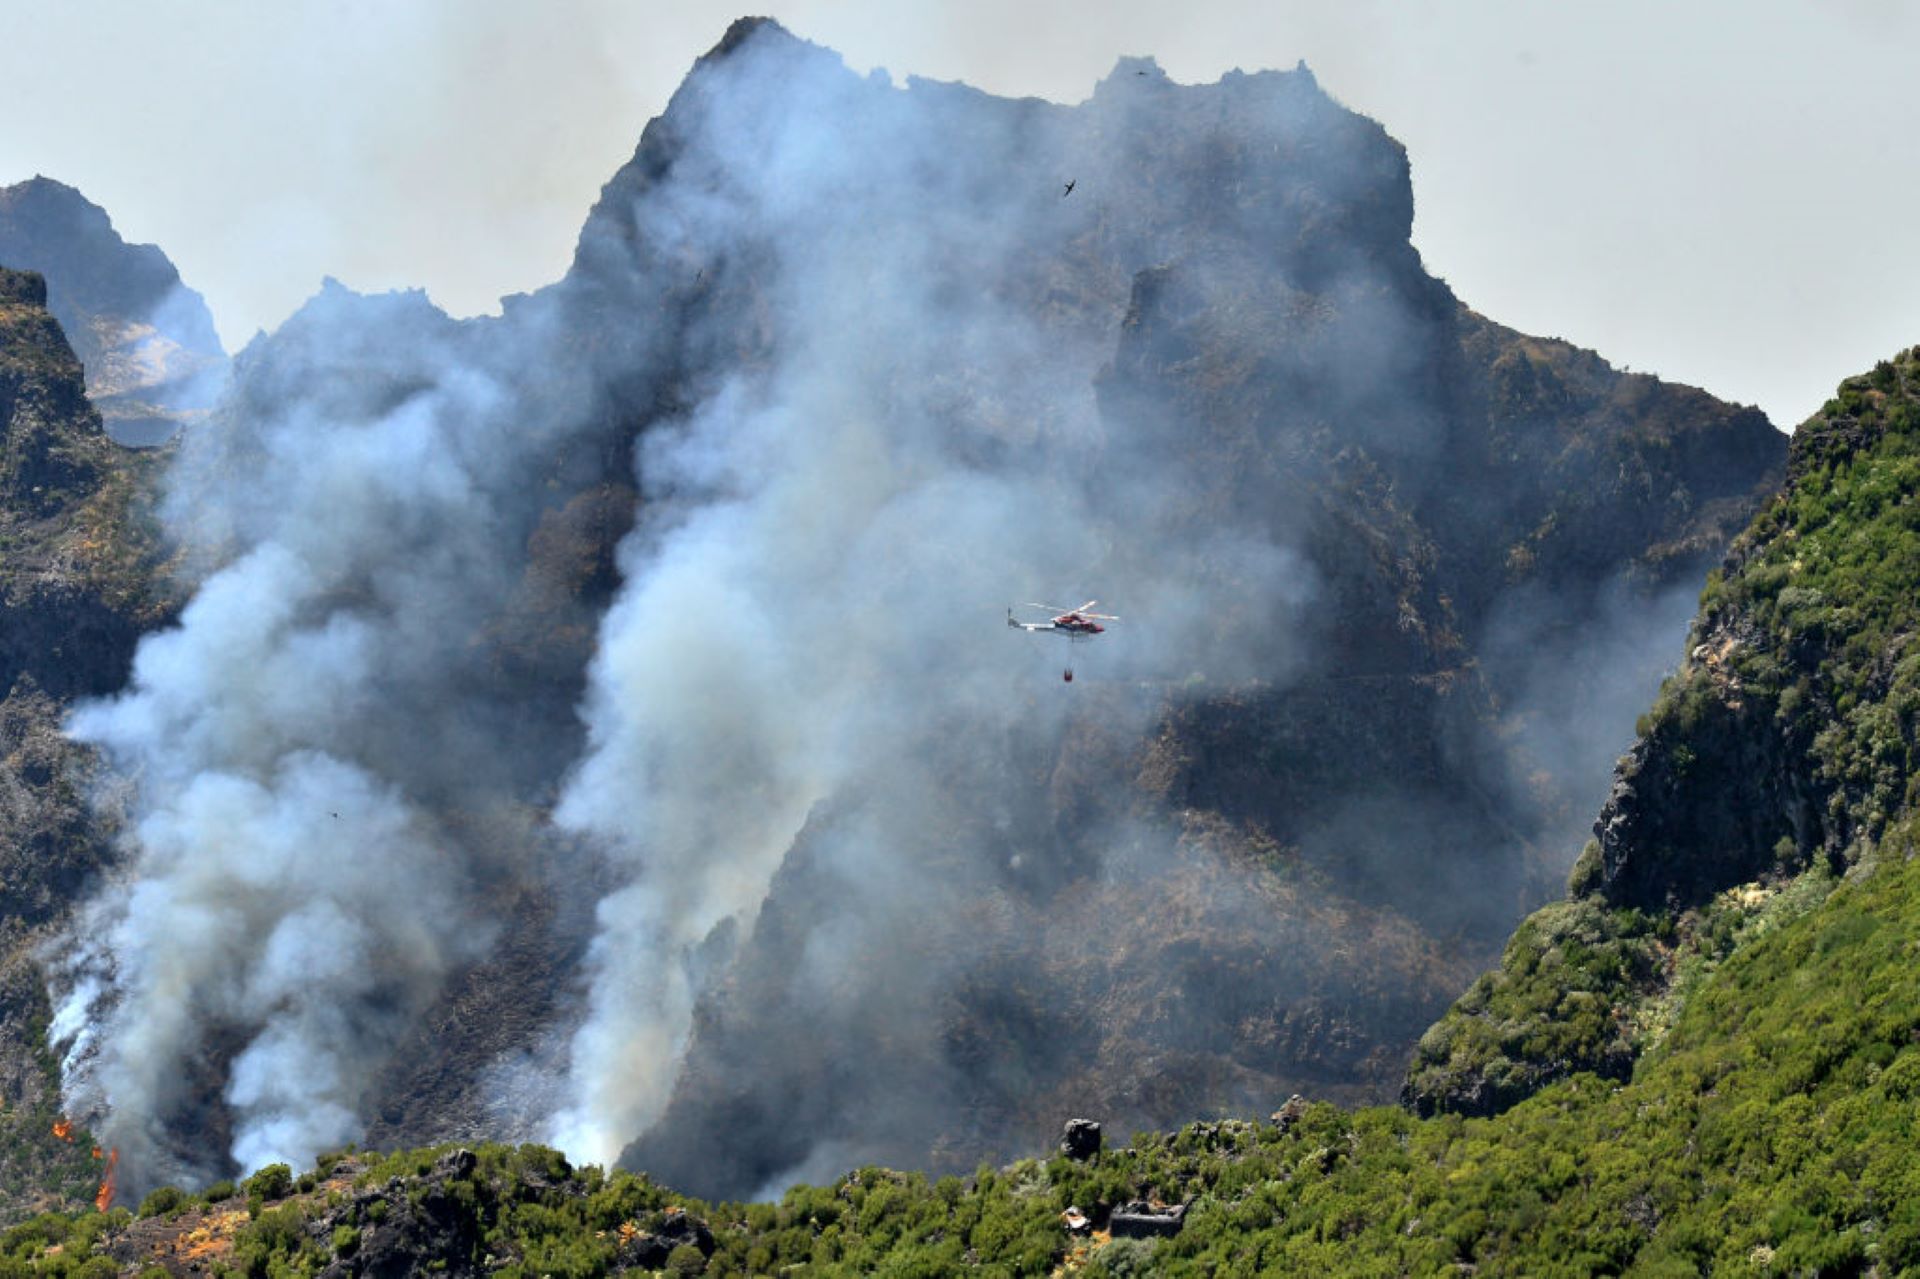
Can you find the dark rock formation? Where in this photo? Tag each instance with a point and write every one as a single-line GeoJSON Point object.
{"type": "Point", "coordinates": [431, 1224]}
{"type": "Point", "coordinates": [1139, 1219]}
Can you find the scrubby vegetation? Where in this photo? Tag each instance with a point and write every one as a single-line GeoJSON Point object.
{"type": "Point", "coordinates": [1830, 581]}
{"type": "Point", "coordinates": [37, 1167]}
{"type": "Point", "coordinates": [77, 556]}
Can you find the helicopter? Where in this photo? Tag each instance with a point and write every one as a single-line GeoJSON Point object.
{"type": "Point", "coordinates": [1076, 624]}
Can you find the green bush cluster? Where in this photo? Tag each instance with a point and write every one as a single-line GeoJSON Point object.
{"type": "Point", "coordinates": [165, 1200]}
{"type": "Point", "coordinates": [61, 1244]}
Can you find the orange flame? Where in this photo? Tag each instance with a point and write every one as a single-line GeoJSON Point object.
{"type": "Point", "coordinates": [97, 1152]}
{"type": "Point", "coordinates": [103, 1197]}
{"type": "Point", "coordinates": [63, 1128]}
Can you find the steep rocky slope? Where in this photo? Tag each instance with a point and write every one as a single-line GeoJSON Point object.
{"type": "Point", "coordinates": [75, 592]}
{"type": "Point", "coordinates": [153, 361]}
{"type": "Point", "coordinates": [1767, 770]}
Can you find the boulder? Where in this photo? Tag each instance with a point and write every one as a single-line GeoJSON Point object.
{"type": "Point", "coordinates": [1138, 1219]}
{"type": "Point", "coordinates": [1080, 1139]}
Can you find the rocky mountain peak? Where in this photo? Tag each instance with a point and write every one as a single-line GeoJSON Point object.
{"type": "Point", "coordinates": [152, 357]}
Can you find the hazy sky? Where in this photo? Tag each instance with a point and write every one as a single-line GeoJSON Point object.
{"type": "Point", "coordinates": [1722, 193]}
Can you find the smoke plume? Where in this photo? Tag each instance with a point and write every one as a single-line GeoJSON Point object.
{"type": "Point", "coordinates": [868, 364]}
{"type": "Point", "coordinates": [291, 899]}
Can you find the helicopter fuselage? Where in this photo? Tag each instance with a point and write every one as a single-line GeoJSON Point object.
{"type": "Point", "coordinates": [1069, 624]}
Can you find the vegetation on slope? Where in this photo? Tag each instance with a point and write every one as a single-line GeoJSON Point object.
{"type": "Point", "coordinates": [1758, 1119]}
{"type": "Point", "coordinates": [1772, 759]}
{"type": "Point", "coordinates": [1762, 1036]}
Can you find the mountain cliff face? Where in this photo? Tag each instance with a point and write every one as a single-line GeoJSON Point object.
{"type": "Point", "coordinates": [1258, 884]}
{"type": "Point", "coordinates": [153, 361]}
{"type": "Point", "coordinates": [830, 865]}
{"type": "Point", "coordinates": [1768, 769]}
{"type": "Point", "coordinates": [75, 592]}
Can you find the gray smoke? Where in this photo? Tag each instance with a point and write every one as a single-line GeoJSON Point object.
{"type": "Point", "coordinates": [290, 900]}
{"type": "Point", "coordinates": [828, 541]}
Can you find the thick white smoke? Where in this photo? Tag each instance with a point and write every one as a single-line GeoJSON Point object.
{"type": "Point", "coordinates": [827, 542]}
{"type": "Point", "coordinates": [288, 905]}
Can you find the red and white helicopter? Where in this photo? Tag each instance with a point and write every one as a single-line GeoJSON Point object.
{"type": "Point", "coordinates": [1076, 624]}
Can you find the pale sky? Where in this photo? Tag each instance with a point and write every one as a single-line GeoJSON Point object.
{"type": "Point", "coordinates": [1721, 193]}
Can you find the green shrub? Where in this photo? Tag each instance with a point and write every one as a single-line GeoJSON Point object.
{"type": "Point", "coordinates": [166, 1199]}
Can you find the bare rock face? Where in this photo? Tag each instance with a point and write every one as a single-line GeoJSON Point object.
{"type": "Point", "coordinates": [153, 361]}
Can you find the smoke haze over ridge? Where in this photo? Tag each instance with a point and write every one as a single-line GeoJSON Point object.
{"type": "Point", "coordinates": [881, 377]}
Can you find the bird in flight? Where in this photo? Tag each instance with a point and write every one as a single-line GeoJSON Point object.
{"type": "Point", "coordinates": [1070, 186]}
